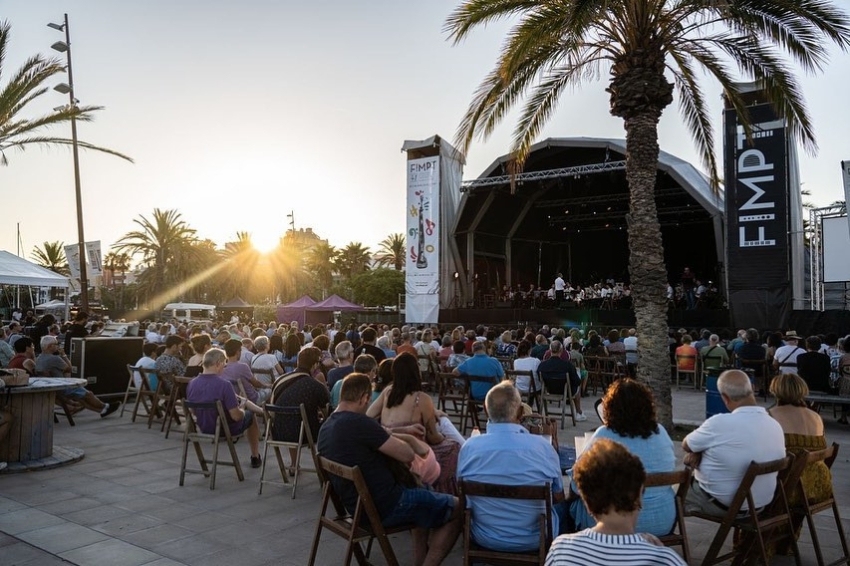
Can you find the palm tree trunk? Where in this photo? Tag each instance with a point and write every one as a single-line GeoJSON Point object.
{"type": "Point", "coordinates": [646, 262]}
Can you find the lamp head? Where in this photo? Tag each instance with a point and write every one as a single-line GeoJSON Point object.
{"type": "Point", "coordinates": [63, 88]}
{"type": "Point", "coordinates": [60, 46]}
{"type": "Point", "coordinates": [57, 27]}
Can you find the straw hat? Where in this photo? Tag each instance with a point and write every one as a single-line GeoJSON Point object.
{"type": "Point", "coordinates": [791, 335]}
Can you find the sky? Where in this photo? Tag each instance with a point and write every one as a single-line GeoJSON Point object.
{"type": "Point", "coordinates": [240, 113]}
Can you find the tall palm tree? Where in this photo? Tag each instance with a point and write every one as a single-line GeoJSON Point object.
{"type": "Point", "coordinates": [52, 256]}
{"type": "Point", "coordinates": [352, 260]}
{"type": "Point", "coordinates": [638, 44]}
{"type": "Point", "coordinates": [165, 245]}
{"type": "Point", "coordinates": [24, 86]}
{"type": "Point", "coordinates": [392, 252]}
{"type": "Point", "coordinates": [320, 261]}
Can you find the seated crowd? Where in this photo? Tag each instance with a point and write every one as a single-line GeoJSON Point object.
{"type": "Point", "coordinates": [413, 457]}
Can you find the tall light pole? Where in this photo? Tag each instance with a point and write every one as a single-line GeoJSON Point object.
{"type": "Point", "coordinates": [65, 47]}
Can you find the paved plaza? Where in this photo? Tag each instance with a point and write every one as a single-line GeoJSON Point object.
{"type": "Point", "coordinates": [121, 505]}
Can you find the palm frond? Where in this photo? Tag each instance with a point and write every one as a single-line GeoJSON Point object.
{"type": "Point", "coordinates": [474, 13]}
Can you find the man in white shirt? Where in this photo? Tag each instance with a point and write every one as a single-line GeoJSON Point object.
{"type": "Point", "coordinates": [631, 344]}
{"type": "Point", "coordinates": [721, 449]}
{"type": "Point", "coordinates": [785, 358]}
{"type": "Point", "coordinates": [148, 362]}
{"type": "Point", "coordinates": [559, 290]}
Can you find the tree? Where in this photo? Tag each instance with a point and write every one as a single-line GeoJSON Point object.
{"type": "Point", "coordinates": [380, 287]}
{"type": "Point", "coordinates": [24, 86]}
{"type": "Point", "coordinates": [52, 256]}
{"type": "Point", "coordinates": [392, 252]}
{"type": "Point", "coordinates": [558, 45]}
{"type": "Point", "coordinates": [165, 245]}
{"type": "Point", "coordinates": [352, 260]}
{"type": "Point", "coordinates": [320, 262]}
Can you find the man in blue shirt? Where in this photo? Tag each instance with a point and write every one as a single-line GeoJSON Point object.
{"type": "Point", "coordinates": [508, 454]}
{"type": "Point", "coordinates": [481, 365]}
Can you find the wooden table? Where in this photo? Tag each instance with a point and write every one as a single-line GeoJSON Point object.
{"type": "Point", "coordinates": [30, 438]}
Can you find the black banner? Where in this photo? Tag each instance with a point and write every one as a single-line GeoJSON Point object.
{"type": "Point", "coordinates": [758, 248]}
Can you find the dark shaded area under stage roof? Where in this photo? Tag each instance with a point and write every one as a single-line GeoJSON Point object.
{"type": "Point", "coordinates": [581, 220]}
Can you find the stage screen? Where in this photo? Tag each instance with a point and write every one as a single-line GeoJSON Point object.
{"type": "Point", "coordinates": [836, 250]}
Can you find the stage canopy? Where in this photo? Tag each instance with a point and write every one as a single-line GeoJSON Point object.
{"type": "Point", "coordinates": [294, 310]}
{"type": "Point", "coordinates": [569, 214]}
{"type": "Point", "coordinates": [335, 303]}
{"type": "Point", "coordinates": [18, 271]}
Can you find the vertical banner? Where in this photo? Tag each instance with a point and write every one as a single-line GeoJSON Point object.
{"type": "Point", "coordinates": [757, 219]}
{"type": "Point", "coordinates": [422, 272]}
{"type": "Point", "coordinates": [72, 254]}
{"type": "Point", "coordinates": [95, 259]}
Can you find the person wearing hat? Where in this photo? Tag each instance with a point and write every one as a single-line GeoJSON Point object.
{"type": "Point", "coordinates": [785, 358]}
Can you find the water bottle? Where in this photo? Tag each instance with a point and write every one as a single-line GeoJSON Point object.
{"type": "Point", "coordinates": [475, 432]}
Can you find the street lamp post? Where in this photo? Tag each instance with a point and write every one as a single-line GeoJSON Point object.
{"type": "Point", "coordinates": [65, 47]}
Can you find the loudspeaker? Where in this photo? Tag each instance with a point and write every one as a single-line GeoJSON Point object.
{"type": "Point", "coordinates": [103, 362]}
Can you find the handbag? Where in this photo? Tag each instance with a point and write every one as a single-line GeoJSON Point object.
{"type": "Point", "coordinates": [14, 377]}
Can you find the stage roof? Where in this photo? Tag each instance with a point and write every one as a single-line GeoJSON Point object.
{"type": "Point", "coordinates": [574, 197]}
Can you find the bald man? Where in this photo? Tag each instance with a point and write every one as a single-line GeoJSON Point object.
{"type": "Point", "coordinates": [721, 449]}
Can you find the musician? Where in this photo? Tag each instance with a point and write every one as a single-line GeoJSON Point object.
{"type": "Point", "coordinates": [559, 286]}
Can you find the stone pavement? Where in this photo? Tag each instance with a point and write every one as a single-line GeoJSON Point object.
{"type": "Point", "coordinates": [121, 505]}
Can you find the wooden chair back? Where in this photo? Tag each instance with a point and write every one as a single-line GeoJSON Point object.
{"type": "Point", "coordinates": [131, 388]}
{"type": "Point", "coordinates": [145, 394]}
{"type": "Point", "coordinates": [363, 524]}
{"type": "Point", "coordinates": [682, 480]}
{"type": "Point", "coordinates": [473, 552]}
{"type": "Point", "coordinates": [472, 405]}
{"type": "Point", "coordinates": [557, 389]}
{"type": "Point", "coordinates": [176, 399]}
{"type": "Point", "coordinates": [806, 508]}
{"type": "Point", "coordinates": [192, 434]}
{"type": "Point", "coordinates": [757, 523]}
{"type": "Point", "coordinates": [451, 398]}
{"type": "Point", "coordinates": [531, 395]}
{"type": "Point", "coordinates": [296, 416]}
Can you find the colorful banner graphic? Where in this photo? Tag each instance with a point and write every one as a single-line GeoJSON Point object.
{"type": "Point", "coordinates": [422, 275]}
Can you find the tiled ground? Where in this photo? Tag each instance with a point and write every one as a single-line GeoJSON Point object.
{"type": "Point", "coordinates": [121, 505]}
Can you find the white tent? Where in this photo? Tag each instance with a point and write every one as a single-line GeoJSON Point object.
{"type": "Point", "coordinates": [18, 271]}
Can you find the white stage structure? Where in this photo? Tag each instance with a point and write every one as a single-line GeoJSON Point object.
{"type": "Point", "coordinates": [830, 243]}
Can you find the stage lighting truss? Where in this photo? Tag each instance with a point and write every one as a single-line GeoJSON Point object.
{"type": "Point", "coordinates": [519, 179]}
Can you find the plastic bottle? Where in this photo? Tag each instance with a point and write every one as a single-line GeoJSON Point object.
{"type": "Point", "coordinates": [475, 432]}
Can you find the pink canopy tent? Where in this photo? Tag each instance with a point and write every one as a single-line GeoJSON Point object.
{"type": "Point", "coordinates": [295, 310]}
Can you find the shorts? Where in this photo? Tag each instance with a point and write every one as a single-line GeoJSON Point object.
{"type": "Point", "coordinates": [75, 392]}
{"type": "Point", "coordinates": [421, 507]}
{"type": "Point", "coordinates": [242, 426]}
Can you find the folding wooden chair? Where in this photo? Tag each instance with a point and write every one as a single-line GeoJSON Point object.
{"type": "Point", "coordinates": [196, 437]}
{"type": "Point", "coordinates": [687, 373]}
{"type": "Point", "coordinates": [145, 395]}
{"type": "Point", "coordinates": [763, 373]}
{"type": "Point", "coordinates": [473, 552]}
{"type": "Point", "coordinates": [429, 376]}
{"type": "Point", "coordinates": [69, 408]}
{"type": "Point", "coordinates": [177, 398]}
{"type": "Point", "coordinates": [472, 406]}
{"type": "Point", "coordinates": [353, 528]}
{"type": "Point", "coordinates": [594, 373]}
{"type": "Point", "coordinates": [773, 519]}
{"type": "Point", "coordinates": [533, 396]}
{"type": "Point", "coordinates": [681, 479]}
{"type": "Point", "coordinates": [161, 393]}
{"type": "Point", "coordinates": [449, 393]}
{"type": "Point", "coordinates": [131, 388]}
{"type": "Point", "coordinates": [804, 508]}
{"type": "Point", "coordinates": [297, 416]}
{"type": "Point", "coordinates": [556, 389]}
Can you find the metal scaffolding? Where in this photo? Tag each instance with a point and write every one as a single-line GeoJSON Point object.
{"type": "Point", "coordinates": [816, 216]}
{"type": "Point", "coordinates": [574, 171]}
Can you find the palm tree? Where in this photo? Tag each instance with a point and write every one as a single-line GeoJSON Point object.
{"type": "Point", "coordinates": [352, 260]}
{"type": "Point", "coordinates": [320, 260]}
{"type": "Point", "coordinates": [117, 263]}
{"type": "Point", "coordinates": [52, 256]}
{"type": "Point", "coordinates": [165, 244]}
{"type": "Point", "coordinates": [24, 86]}
{"type": "Point", "coordinates": [639, 43]}
{"type": "Point", "coordinates": [392, 252]}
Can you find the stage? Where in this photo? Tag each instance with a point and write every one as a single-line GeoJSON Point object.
{"type": "Point", "coordinates": [578, 317]}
